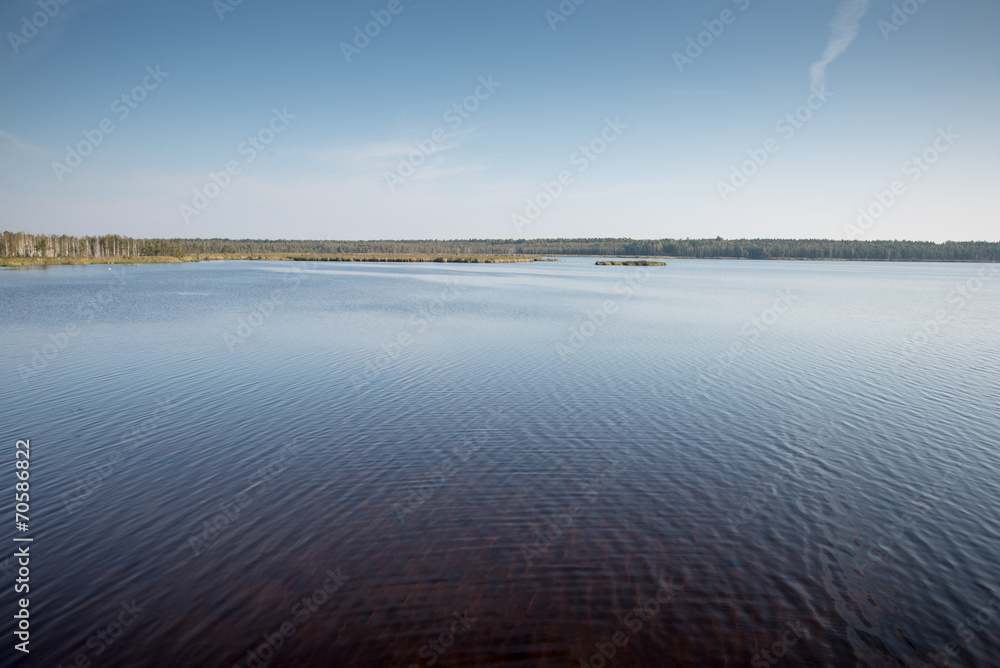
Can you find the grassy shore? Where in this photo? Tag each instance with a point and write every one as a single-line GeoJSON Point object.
{"type": "Point", "coordinates": [470, 259]}
{"type": "Point", "coordinates": [466, 259]}
{"type": "Point", "coordinates": [48, 261]}
{"type": "Point", "coordinates": [631, 263]}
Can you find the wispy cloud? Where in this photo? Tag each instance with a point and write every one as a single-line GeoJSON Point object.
{"type": "Point", "coordinates": [378, 155]}
{"type": "Point", "coordinates": [17, 143]}
{"type": "Point", "coordinates": [844, 28]}
{"type": "Point", "coordinates": [361, 155]}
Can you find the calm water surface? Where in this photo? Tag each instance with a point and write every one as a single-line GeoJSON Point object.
{"type": "Point", "coordinates": [507, 465]}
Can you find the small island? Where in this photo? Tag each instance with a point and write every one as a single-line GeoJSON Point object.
{"type": "Point", "coordinates": [631, 263]}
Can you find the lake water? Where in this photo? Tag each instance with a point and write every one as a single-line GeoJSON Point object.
{"type": "Point", "coordinates": [325, 464]}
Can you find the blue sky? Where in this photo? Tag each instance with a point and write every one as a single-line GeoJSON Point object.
{"type": "Point", "coordinates": [365, 142]}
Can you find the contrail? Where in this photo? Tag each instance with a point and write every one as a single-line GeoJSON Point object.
{"type": "Point", "coordinates": [844, 28]}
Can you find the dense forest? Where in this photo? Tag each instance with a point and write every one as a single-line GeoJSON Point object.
{"type": "Point", "coordinates": [20, 244]}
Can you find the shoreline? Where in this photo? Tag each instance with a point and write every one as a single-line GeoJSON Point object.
{"type": "Point", "coordinates": [28, 262]}
{"type": "Point", "coordinates": [25, 262]}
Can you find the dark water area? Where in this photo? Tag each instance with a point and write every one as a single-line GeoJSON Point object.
{"type": "Point", "coordinates": [712, 463]}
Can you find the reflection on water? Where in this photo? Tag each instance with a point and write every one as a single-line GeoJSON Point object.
{"type": "Point", "coordinates": [709, 463]}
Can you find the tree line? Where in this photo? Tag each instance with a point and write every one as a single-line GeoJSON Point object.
{"type": "Point", "coordinates": [21, 244]}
